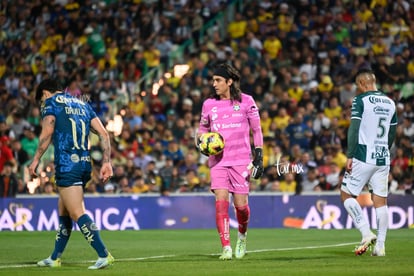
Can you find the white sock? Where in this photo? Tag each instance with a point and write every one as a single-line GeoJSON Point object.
{"type": "Point", "coordinates": [382, 222]}
{"type": "Point", "coordinates": [354, 210]}
{"type": "Point", "coordinates": [241, 236]}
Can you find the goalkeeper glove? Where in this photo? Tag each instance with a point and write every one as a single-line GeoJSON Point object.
{"type": "Point", "coordinates": [258, 169]}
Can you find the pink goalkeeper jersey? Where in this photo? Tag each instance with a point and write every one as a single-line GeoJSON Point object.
{"type": "Point", "coordinates": [233, 120]}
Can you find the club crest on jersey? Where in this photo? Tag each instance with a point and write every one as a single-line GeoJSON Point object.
{"type": "Point", "coordinates": [236, 107]}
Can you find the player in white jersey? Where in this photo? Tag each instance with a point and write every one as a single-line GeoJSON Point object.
{"type": "Point", "coordinates": [233, 114]}
{"type": "Point", "coordinates": [370, 137]}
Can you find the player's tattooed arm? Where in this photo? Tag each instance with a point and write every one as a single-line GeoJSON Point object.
{"type": "Point", "coordinates": [106, 148]}
{"type": "Point", "coordinates": [45, 138]}
{"type": "Point", "coordinates": [100, 130]}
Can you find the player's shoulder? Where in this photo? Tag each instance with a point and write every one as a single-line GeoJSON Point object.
{"type": "Point", "coordinates": [374, 97]}
{"type": "Point", "coordinates": [247, 100]}
{"type": "Point", "coordinates": [248, 97]}
{"type": "Point", "coordinates": [369, 95]}
{"type": "Point", "coordinates": [213, 102]}
{"type": "Point", "coordinates": [209, 101]}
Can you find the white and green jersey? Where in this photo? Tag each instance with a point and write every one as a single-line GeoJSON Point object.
{"type": "Point", "coordinates": [372, 129]}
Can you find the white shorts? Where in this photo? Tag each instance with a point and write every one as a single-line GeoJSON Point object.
{"type": "Point", "coordinates": [376, 177]}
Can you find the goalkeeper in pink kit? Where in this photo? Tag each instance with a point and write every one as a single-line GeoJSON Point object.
{"type": "Point", "coordinates": [234, 115]}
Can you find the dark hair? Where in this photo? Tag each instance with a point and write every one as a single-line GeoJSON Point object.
{"type": "Point", "coordinates": [8, 164]}
{"type": "Point", "coordinates": [364, 71]}
{"type": "Point", "coordinates": [48, 84]}
{"type": "Point", "coordinates": [225, 69]}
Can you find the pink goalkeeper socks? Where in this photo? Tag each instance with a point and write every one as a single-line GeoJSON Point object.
{"type": "Point", "coordinates": [243, 215]}
{"type": "Point", "coordinates": [222, 221]}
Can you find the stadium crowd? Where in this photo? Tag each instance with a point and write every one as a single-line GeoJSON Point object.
{"type": "Point", "coordinates": [297, 58]}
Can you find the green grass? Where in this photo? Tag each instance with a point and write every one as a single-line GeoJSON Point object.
{"type": "Point", "coordinates": [195, 252]}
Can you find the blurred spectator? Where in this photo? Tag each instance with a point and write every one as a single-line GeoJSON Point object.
{"type": "Point", "coordinates": [34, 119]}
{"type": "Point", "coordinates": [398, 70]}
{"type": "Point", "coordinates": [408, 128]}
{"type": "Point", "coordinates": [182, 31]}
{"type": "Point", "coordinates": [288, 184]}
{"type": "Point", "coordinates": [18, 123]}
{"type": "Point", "coordinates": [141, 159]}
{"type": "Point", "coordinates": [310, 181]}
{"type": "Point", "coordinates": [327, 137]}
{"type": "Point", "coordinates": [333, 176]}
{"type": "Point", "coordinates": [109, 188]}
{"type": "Point", "coordinates": [168, 185]}
{"type": "Point", "coordinates": [30, 141]}
{"type": "Point", "coordinates": [282, 119]}
{"type": "Point", "coordinates": [299, 133]}
{"type": "Point", "coordinates": [189, 162]}
{"type": "Point", "coordinates": [8, 181]}
{"type": "Point", "coordinates": [131, 119]}
{"type": "Point", "coordinates": [323, 185]}
{"type": "Point", "coordinates": [152, 178]}
{"type": "Point", "coordinates": [392, 184]}
{"type": "Point", "coordinates": [333, 110]}
{"type": "Point", "coordinates": [263, 185]}
{"type": "Point", "coordinates": [19, 154]}
{"type": "Point", "coordinates": [95, 41]}
{"type": "Point", "coordinates": [5, 130]}
{"type": "Point", "coordinates": [6, 153]}
{"type": "Point", "coordinates": [124, 186]}
{"type": "Point", "coordinates": [139, 186]}
{"type": "Point", "coordinates": [272, 46]}
{"type": "Point", "coordinates": [265, 122]}
{"type": "Point", "coordinates": [295, 92]}
{"type": "Point", "coordinates": [49, 189]}
{"type": "Point", "coordinates": [338, 156]}
{"type": "Point", "coordinates": [320, 122]}
{"type": "Point", "coordinates": [400, 160]}
{"type": "Point", "coordinates": [193, 182]}
{"type": "Point", "coordinates": [407, 184]}
{"type": "Point", "coordinates": [137, 105]}
{"type": "Point", "coordinates": [237, 28]}
{"type": "Point", "coordinates": [91, 189]}
{"type": "Point", "coordinates": [174, 152]}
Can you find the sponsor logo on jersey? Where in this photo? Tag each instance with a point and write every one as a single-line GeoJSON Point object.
{"type": "Point", "coordinates": [236, 115]}
{"type": "Point", "coordinates": [204, 121]}
{"type": "Point", "coordinates": [75, 158]}
{"type": "Point", "coordinates": [380, 152]}
{"type": "Point", "coordinates": [231, 125]}
{"type": "Point", "coordinates": [214, 115]}
{"type": "Point", "coordinates": [215, 127]}
{"type": "Point", "coordinates": [44, 108]}
{"type": "Point", "coordinates": [381, 110]}
{"type": "Point", "coordinates": [375, 100]}
{"type": "Point", "coordinates": [63, 99]}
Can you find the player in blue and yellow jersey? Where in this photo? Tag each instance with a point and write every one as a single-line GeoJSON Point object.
{"type": "Point", "coordinates": [67, 122]}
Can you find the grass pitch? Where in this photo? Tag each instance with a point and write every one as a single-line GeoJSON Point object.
{"type": "Point", "coordinates": [195, 252]}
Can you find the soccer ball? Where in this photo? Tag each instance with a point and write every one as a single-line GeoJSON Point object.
{"type": "Point", "coordinates": [211, 143]}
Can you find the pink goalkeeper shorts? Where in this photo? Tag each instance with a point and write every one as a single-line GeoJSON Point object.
{"type": "Point", "coordinates": [234, 179]}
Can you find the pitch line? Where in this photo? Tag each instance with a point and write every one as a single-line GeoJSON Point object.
{"type": "Point", "coordinates": [170, 256]}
